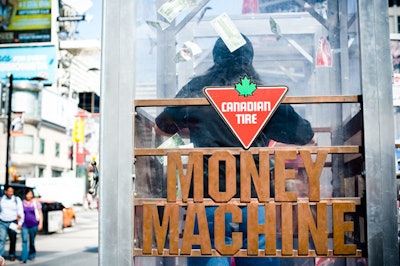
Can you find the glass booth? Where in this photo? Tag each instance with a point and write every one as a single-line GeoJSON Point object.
{"type": "Point", "coordinates": [257, 132]}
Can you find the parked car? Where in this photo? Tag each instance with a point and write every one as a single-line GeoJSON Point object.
{"type": "Point", "coordinates": [55, 215]}
{"type": "Point", "coordinates": [20, 190]}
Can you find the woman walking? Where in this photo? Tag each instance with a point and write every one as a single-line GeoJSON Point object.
{"type": "Point", "coordinates": [32, 224]}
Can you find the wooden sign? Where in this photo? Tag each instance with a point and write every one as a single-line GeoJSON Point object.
{"type": "Point", "coordinates": [311, 214]}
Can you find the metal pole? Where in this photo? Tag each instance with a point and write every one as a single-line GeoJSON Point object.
{"type": "Point", "coordinates": [376, 81]}
{"type": "Point", "coordinates": [10, 91]}
{"type": "Point", "coordinates": [116, 133]}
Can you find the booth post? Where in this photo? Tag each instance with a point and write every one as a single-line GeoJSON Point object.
{"type": "Point", "coordinates": [381, 185]}
{"type": "Point", "coordinates": [117, 90]}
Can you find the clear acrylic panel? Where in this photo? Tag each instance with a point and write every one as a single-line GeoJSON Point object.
{"type": "Point", "coordinates": [312, 47]}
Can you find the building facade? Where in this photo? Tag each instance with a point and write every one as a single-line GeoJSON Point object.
{"type": "Point", "coordinates": [44, 147]}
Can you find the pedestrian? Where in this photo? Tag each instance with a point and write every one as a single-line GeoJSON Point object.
{"type": "Point", "coordinates": [11, 220]}
{"type": "Point", "coordinates": [32, 224]}
{"type": "Point", "coordinates": [206, 129]}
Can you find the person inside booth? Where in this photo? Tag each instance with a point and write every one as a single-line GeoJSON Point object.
{"type": "Point", "coordinates": [205, 128]}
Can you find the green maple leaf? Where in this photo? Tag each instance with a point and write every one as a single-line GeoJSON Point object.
{"type": "Point", "coordinates": [245, 88]}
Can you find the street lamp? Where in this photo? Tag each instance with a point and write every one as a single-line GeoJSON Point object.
{"type": "Point", "coordinates": [24, 85]}
{"type": "Point", "coordinates": [8, 161]}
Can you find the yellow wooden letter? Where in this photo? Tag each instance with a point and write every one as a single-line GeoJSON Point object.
{"type": "Point", "coordinates": [230, 176]}
{"type": "Point", "coordinates": [319, 230]}
{"type": "Point", "coordinates": [287, 229]}
{"type": "Point", "coordinates": [194, 169]}
{"type": "Point", "coordinates": [314, 171]}
{"type": "Point", "coordinates": [170, 219]}
{"type": "Point", "coordinates": [281, 174]}
{"type": "Point", "coordinates": [340, 227]}
{"type": "Point", "coordinates": [248, 171]}
{"type": "Point", "coordinates": [219, 229]}
{"type": "Point", "coordinates": [255, 229]}
{"type": "Point", "coordinates": [189, 237]}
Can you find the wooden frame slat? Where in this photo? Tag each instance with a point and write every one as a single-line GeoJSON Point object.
{"type": "Point", "coordinates": [243, 253]}
{"type": "Point", "coordinates": [288, 99]}
{"type": "Point", "coordinates": [236, 201]}
{"type": "Point", "coordinates": [235, 151]}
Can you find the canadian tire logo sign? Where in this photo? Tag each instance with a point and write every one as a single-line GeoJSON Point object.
{"type": "Point", "coordinates": [246, 108]}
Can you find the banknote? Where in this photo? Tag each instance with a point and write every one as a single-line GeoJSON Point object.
{"type": "Point", "coordinates": [172, 8]}
{"type": "Point", "coordinates": [228, 32]}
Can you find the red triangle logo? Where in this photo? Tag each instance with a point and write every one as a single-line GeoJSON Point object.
{"type": "Point", "coordinates": [246, 113]}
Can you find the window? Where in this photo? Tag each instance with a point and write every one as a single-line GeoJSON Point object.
{"type": "Point", "coordinates": [57, 150]}
{"type": "Point", "coordinates": [398, 24]}
{"type": "Point", "coordinates": [41, 172]}
{"type": "Point", "coordinates": [56, 173]}
{"type": "Point", "coordinates": [393, 3]}
{"type": "Point", "coordinates": [23, 144]}
{"type": "Point", "coordinates": [41, 146]}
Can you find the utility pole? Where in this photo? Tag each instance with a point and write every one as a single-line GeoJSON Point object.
{"type": "Point", "coordinates": [10, 91]}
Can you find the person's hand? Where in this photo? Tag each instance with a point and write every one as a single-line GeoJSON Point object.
{"type": "Point", "coordinates": [184, 133]}
{"type": "Point", "coordinates": [40, 227]}
{"type": "Point", "coordinates": [313, 141]}
{"type": "Point", "coordinates": [160, 132]}
{"type": "Point", "coordinates": [19, 227]}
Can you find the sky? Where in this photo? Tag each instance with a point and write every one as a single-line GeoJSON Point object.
{"type": "Point", "coordinates": [91, 29]}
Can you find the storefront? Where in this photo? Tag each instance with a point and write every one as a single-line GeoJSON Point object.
{"type": "Point", "coordinates": [280, 149]}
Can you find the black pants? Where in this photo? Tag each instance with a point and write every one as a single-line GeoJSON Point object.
{"type": "Point", "coordinates": [13, 241]}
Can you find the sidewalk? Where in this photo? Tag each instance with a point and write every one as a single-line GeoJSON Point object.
{"type": "Point", "coordinates": [81, 240]}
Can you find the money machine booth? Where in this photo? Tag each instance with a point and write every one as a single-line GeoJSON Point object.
{"type": "Point", "coordinates": [247, 132]}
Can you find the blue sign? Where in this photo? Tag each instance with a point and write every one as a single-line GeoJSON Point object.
{"type": "Point", "coordinates": [26, 63]}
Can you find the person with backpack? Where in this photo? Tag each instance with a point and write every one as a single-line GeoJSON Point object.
{"type": "Point", "coordinates": [11, 220]}
{"type": "Point", "coordinates": [206, 129]}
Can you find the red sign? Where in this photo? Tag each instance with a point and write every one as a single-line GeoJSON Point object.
{"type": "Point", "coordinates": [245, 111]}
{"type": "Point", "coordinates": [324, 53]}
{"type": "Point", "coordinates": [250, 6]}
